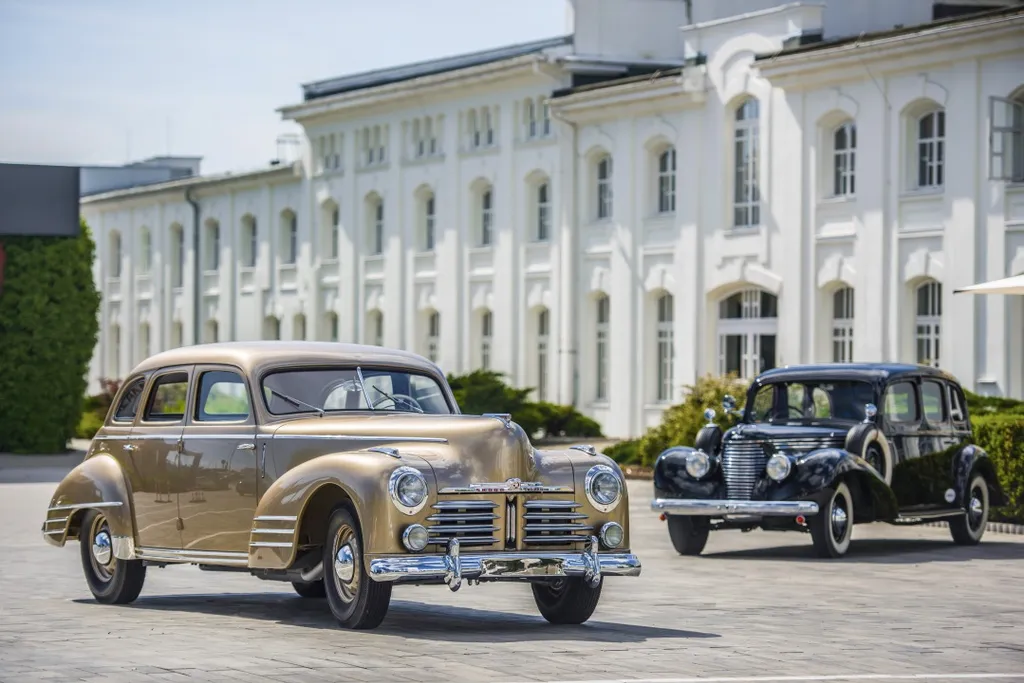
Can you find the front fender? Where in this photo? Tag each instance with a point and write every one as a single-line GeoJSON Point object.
{"type": "Point", "coordinates": [97, 483]}
{"type": "Point", "coordinates": [672, 481]}
{"type": "Point", "coordinates": [581, 464]}
{"type": "Point", "coordinates": [821, 468]}
{"type": "Point", "coordinates": [361, 478]}
{"type": "Point", "coordinates": [966, 462]}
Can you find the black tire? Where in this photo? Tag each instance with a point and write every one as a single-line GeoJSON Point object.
{"type": "Point", "coordinates": [112, 581]}
{"type": "Point", "coordinates": [356, 600]}
{"type": "Point", "coordinates": [567, 601]}
{"type": "Point", "coordinates": [970, 527]}
{"type": "Point", "coordinates": [310, 590]}
{"type": "Point", "coordinates": [832, 527]}
{"type": "Point", "coordinates": [689, 534]}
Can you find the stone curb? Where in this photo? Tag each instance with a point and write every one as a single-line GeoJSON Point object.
{"type": "Point", "coordinates": [992, 528]}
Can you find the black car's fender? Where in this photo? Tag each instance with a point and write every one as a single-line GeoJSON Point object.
{"type": "Point", "coordinates": [709, 440]}
{"type": "Point", "coordinates": [866, 439]}
{"type": "Point", "coordinates": [968, 461]}
{"type": "Point", "coordinates": [672, 481]}
{"type": "Point", "coordinates": [820, 469]}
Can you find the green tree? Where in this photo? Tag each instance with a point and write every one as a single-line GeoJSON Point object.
{"type": "Point", "coordinates": [48, 328]}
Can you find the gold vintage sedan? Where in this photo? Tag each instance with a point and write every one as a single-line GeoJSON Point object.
{"type": "Point", "coordinates": [341, 469]}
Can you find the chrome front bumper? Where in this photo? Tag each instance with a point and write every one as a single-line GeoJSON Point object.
{"type": "Point", "coordinates": [707, 508]}
{"type": "Point", "coordinates": [453, 566]}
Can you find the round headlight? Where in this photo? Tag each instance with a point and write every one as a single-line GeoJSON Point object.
{"type": "Point", "coordinates": [611, 535]}
{"type": "Point", "coordinates": [779, 467]}
{"type": "Point", "coordinates": [698, 464]}
{"type": "Point", "coordinates": [415, 537]}
{"type": "Point", "coordinates": [408, 490]}
{"type": "Point", "coordinates": [604, 488]}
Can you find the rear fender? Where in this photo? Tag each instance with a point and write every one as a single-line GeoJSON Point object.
{"type": "Point", "coordinates": [967, 462]}
{"type": "Point", "coordinates": [98, 483]}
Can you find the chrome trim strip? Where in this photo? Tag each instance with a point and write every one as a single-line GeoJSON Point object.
{"type": "Point", "coordinates": [195, 553]}
{"type": "Point", "coordinates": [270, 544]}
{"type": "Point", "coordinates": [79, 506]}
{"type": "Point", "coordinates": [53, 532]}
{"type": "Point", "coordinates": [193, 556]}
{"type": "Point", "coordinates": [273, 531]}
{"type": "Point", "coordinates": [464, 505]}
{"type": "Point", "coordinates": [511, 486]}
{"type": "Point", "coordinates": [557, 527]}
{"type": "Point", "coordinates": [363, 437]}
{"type": "Point", "coordinates": [519, 565]}
{"type": "Point", "coordinates": [768, 508]}
{"type": "Point", "coordinates": [456, 528]}
{"type": "Point", "coordinates": [276, 518]}
{"type": "Point", "coordinates": [551, 504]}
{"type": "Point", "coordinates": [56, 520]}
{"type": "Point", "coordinates": [464, 517]}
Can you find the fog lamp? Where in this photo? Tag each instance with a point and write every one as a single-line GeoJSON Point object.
{"type": "Point", "coordinates": [415, 537]}
{"type": "Point", "coordinates": [611, 535]}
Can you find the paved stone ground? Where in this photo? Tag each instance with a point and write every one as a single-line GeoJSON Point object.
{"type": "Point", "coordinates": [905, 602]}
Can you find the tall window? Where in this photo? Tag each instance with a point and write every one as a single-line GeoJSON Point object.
{"type": "Point", "coordinates": [842, 325]}
{"type": "Point", "coordinates": [667, 181]}
{"type": "Point", "coordinates": [178, 249]}
{"type": "Point", "coordinates": [543, 213]}
{"type": "Point", "coordinates": [212, 245]}
{"type": "Point", "coordinates": [532, 129]}
{"type": "Point", "coordinates": [486, 218]}
{"type": "Point", "coordinates": [486, 332]}
{"type": "Point", "coordinates": [545, 119]}
{"type": "Point", "coordinates": [601, 371]}
{"type": "Point", "coordinates": [115, 254]}
{"type": "Point", "coordinates": [377, 229]}
{"type": "Point", "coordinates": [335, 239]}
{"type": "Point", "coordinates": [928, 323]}
{"type": "Point", "coordinates": [844, 156]}
{"type": "Point", "coordinates": [332, 326]}
{"type": "Point", "coordinates": [177, 335]}
{"type": "Point", "coordinates": [473, 125]}
{"type": "Point", "coordinates": [145, 252]}
{"type": "Point", "coordinates": [433, 336]}
{"type": "Point", "coordinates": [1006, 138]}
{"type": "Point", "coordinates": [211, 331]}
{"type": "Point", "coordinates": [931, 152]}
{"type": "Point", "coordinates": [604, 188]}
{"type": "Point", "coordinates": [250, 245]}
{"type": "Point", "coordinates": [115, 351]}
{"type": "Point", "coordinates": [746, 193]}
{"type": "Point", "coordinates": [666, 353]}
{"type": "Point", "coordinates": [543, 338]}
{"type": "Point", "coordinates": [429, 224]}
{"type": "Point", "coordinates": [747, 330]}
{"type": "Point", "coordinates": [291, 237]}
{"type": "Point", "coordinates": [488, 127]}
{"type": "Point", "coordinates": [271, 328]}
{"type": "Point", "coordinates": [144, 342]}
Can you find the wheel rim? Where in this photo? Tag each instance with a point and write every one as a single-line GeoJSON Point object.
{"type": "Point", "coordinates": [976, 509]}
{"type": "Point", "coordinates": [101, 554]}
{"type": "Point", "coordinates": [876, 460]}
{"type": "Point", "coordinates": [840, 518]}
{"type": "Point", "coordinates": [346, 578]}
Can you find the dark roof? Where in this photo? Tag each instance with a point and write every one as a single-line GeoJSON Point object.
{"type": "Point", "coordinates": [397, 74]}
{"type": "Point", "coordinates": [637, 75]}
{"type": "Point", "coordinates": [878, 371]}
{"type": "Point", "coordinates": [894, 32]}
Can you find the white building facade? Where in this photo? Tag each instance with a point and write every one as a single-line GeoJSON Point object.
{"type": "Point", "coordinates": [666, 192]}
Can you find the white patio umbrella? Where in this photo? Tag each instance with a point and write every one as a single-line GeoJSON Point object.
{"type": "Point", "coordinates": [1008, 285]}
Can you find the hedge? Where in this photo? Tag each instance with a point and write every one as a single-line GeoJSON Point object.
{"type": "Point", "coordinates": [1002, 437]}
{"type": "Point", "coordinates": [48, 328]}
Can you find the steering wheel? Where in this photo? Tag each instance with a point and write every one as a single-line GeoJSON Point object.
{"type": "Point", "coordinates": [798, 413]}
{"type": "Point", "coordinates": [400, 398]}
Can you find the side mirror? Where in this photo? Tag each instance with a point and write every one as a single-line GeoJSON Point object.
{"type": "Point", "coordinates": [729, 403]}
{"type": "Point", "coordinates": [870, 411]}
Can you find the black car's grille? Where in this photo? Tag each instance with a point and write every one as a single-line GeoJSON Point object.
{"type": "Point", "coordinates": [743, 460]}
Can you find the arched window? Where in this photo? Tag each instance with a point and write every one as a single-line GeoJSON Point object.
{"type": "Point", "coordinates": [543, 213]}
{"type": "Point", "coordinates": [667, 180]}
{"type": "Point", "coordinates": [115, 254]}
{"type": "Point", "coordinates": [530, 116]}
{"type": "Point", "coordinates": [212, 245]}
{"type": "Point", "coordinates": [330, 240]}
{"type": "Point", "coordinates": [486, 335]}
{"type": "Point", "coordinates": [931, 152]}
{"type": "Point", "coordinates": [486, 218]}
{"type": "Point", "coordinates": [604, 188]}
{"type": "Point", "coordinates": [844, 157]}
{"type": "Point", "coordinates": [289, 237]}
{"type": "Point", "coordinates": [543, 342]}
{"type": "Point", "coordinates": [332, 326]}
{"type": "Point", "coordinates": [488, 127]}
{"type": "Point", "coordinates": [433, 336]}
{"type": "Point", "coordinates": [177, 256]}
{"type": "Point", "coordinates": [211, 332]}
{"type": "Point", "coordinates": [473, 128]}
{"type": "Point", "coordinates": [375, 328]}
{"type": "Point", "coordinates": [928, 323]}
{"type": "Point", "coordinates": [375, 229]}
{"type": "Point", "coordinates": [145, 251]}
{"type": "Point", "coordinates": [429, 223]}
{"type": "Point", "coordinates": [747, 330]}
{"type": "Point", "coordinates": [601, 351]}
{"type": "Point", "coordinates": [177, 335]}
{"type": "Point", "coordinates": [842, 325]}
{"type": "Point", "coordinates": [249, 243]}
{"type": "Point", "coordinates": [746, 190]}
{"type": "Point", "coordinates": [271, 328]}
{"type": "Point", "coordinates": [666, 347]}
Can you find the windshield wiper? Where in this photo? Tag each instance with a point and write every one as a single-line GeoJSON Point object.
{"type": "Point", "coordinates": [362, 388]}
{"type": "Point", "coordinates": [396, 400]}
{"type": "Point", "coordinates": [296, 402]}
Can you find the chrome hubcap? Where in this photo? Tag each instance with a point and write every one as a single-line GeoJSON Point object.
{"type": "Point", "coordinates": [839, 519]}
{"type": "Point", "coordinates": [101, 549]}
{"type": "Point", "coordinates": [344, 566]}
{"type": "Point", "coordinates": [976, 507]}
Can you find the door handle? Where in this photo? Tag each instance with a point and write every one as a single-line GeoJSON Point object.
{"type": "Point", "coordinates": [130, 447]}
{"type": "Point", "coordinates": [246, 446]}
{"type": "Point", "coordinates": [263, 461]}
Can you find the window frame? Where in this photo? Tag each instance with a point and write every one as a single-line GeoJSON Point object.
{"type": "Point", "coordinates": [1006, 138]}
{"type": "Point", "coordinates": [930, 152]}
{"type": "Point", "coordinates": [602, 345]}
{"type": "Point", "coordinates": [115, 407]}
{"type": "Point", "coordinates": [604, 171]}
{"type": "Point", "coordinates": [542, 228]}
{"type": "Point", "coordinates": [665, 347]}
{"type": "Point", "coordinates": [914, 393]}
{"type": "Point", "coordinates": [842, 326]}
{"type": "Point", "coordinates": [746, 160]}
{"type": "Point", "coordinates": [486, 207]}
{"type": "Point", "coordinates": [665, 176]}
{"type": "Point", "coordinates": [944, 420]}
{"type": "Point", "coordinates": [844, 160]}
{"type": "Point", "coordinates": [154, 384]}
{"type": "Point", "coordinates": [930, 322]}
{"type": "Point", "coordinates": [195, 401]}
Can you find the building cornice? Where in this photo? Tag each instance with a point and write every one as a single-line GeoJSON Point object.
{"type": "Point", "coordinates": [633, 97]}
{"type": "Point", "coordinates": [198, 183]}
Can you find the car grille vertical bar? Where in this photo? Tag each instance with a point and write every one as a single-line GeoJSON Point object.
{"type": "Point", "coordinates": [742, 465]}
{"type": "Point", "coordinates": [470, 521]}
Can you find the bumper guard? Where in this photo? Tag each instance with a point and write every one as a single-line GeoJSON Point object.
{"type": "Point", "coordinates": [453, 566]}
{"type": "Point", "coordinates": [705, 508]}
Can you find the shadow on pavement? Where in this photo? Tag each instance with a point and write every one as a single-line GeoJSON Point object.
{"type": "Point", "coordinates": [886, 551]}
{"type": "Point", "coordinates": [408, 619]}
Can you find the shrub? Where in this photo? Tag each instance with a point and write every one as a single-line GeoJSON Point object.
{"type": "Point", "coordinates": [95, 408]}
{"type": "Point", "coordinates": [559, 420]}
{"type": "Point", "coordinates": [625, 452]}
{"type": "Point", "coordinates": [1002, 437]}
{"type": "Point", "coordinates": [48, 327]}
{"type": "Point", "coordinates": [991, 405]}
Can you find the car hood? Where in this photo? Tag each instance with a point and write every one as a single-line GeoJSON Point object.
{"type": "Point", "coordinates": [790, 431]}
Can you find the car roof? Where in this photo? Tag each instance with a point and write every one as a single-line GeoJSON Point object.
{"type": "Point", "coordinates": [853, 371]}
{"type": "Point", "coordinates": [255, 357]}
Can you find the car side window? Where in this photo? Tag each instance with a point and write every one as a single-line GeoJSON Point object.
{"type": "Point", "coordinates": [901, 403]}
{"type": "Point", "coordinates": [763, 403]}
{"type": "Point", "coordinates": [128, 406]}
{"type": "Point", "coordinates": [222, 397]}
{"type": "Point", "coordinates": [956, 407]}
{"type": "Point", "coordinates": [167, 398]}
{"type": "Point", "coordinates": [933, 401]}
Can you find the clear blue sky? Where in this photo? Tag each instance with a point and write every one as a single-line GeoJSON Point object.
{"type": "Point", "coordinates": [92, 81]}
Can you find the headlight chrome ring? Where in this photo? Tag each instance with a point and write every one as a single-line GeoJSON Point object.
{"type": "Point", "coordinates": [778, 467]}
{"type": "Point", "coordinates": [603, 487]}
{"type": "Point", "coordinates": [415, 537]}
{"type": "Point", "coordinates": [408, 489]}
{"type": "Point", "coordinates": [698, 464]}
{"type": "Point", "coordinates": [611, 535]}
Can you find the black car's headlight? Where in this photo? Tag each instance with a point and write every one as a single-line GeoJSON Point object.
{"type": "Point", "coordinates": [698, 464]}
{"type": "Point", "coordinates": [778, 467]}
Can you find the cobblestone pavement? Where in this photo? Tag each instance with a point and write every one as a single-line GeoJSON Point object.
{"type": "Point", "coordinates": [756, 607]}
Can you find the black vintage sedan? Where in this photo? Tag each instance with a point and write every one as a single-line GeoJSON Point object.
{"type": "Point", "coordinates": [814, 452]}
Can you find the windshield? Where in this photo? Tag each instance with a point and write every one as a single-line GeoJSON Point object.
{"type": "Point", "coordinates": [811, 401]}
{"type": "Point", "coordinates": [323, 390]}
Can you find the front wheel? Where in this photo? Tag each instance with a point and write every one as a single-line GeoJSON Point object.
{"type": "Point", "coordinates": [567, 601]}
{"type": "Point", "coordinates": [112, 581]}
{"type": "Point", "coordinates": [356, 600]}
{"type": "Point", "coordinates": [689, 534]}
{"type": "Point", "coordinates": [968, 529]}
{"type": "Point", "coordinates": [832, 527]}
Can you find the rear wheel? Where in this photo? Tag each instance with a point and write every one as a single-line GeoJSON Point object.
{"type": "Point", "coordinates": [968, 529]}
{"type": "Point", "coordinates": [567, 601]}
{"type": "Point", "coordinates": [689, 534]}
{"type": "Point", "coordinates": [356, 600]}
{"type": "Point", "coordinates": [832, 527]}
{"type": "Point", "coordinates": [310, 590]}
{"type": "Point", "coordinates": [112, 581]}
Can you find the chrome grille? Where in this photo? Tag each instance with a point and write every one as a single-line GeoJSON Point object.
{"type": "Point", "coordinates": [554, 521]}
{"type": "Point", "coordinates": [743, 460]}
{"type": "Point", "coordinates": [470, 521]}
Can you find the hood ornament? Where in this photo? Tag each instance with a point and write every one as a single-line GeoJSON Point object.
{"type": "Point", "coordinates": [505, 418]}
